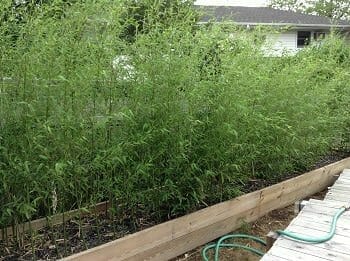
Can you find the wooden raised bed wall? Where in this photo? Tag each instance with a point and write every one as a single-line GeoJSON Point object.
{"type": "Point", "coordinates": [175, 237]}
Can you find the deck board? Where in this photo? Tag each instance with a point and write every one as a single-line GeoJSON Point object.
{"type": "Point", "coordinates": [315, 220]}
{"type": "Point", "coordinates": [294, 255]}
{"type": "Point", "coordinates": [313, 250]}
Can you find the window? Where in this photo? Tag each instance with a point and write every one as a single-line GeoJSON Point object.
{"type": "Point", "coordinates": [319, 35]}
{"type": "Point", "coordinates": [304, 38]}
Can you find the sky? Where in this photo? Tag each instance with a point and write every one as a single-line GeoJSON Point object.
{"type": "Point", "coordinates": [233, 2]}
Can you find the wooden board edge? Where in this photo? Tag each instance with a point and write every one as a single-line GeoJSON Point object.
{"type": "Point", "coordinates": [144, 245]}
{"type": "Point", "coordinates": [54, 220]}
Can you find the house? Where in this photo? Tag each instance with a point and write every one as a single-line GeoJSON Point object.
{"type": "Point", "coordinates": [248, 3]}
{"type": "Point", "coordinates": [295, 30]}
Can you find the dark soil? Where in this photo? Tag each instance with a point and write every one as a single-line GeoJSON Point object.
{"type": "Point", "coordinates": [72, 237]}
{"type": "Point", "coordinates": [77, 235]}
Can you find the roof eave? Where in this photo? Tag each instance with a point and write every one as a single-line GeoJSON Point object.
{"type": "Point", "coordinates": [292, 25]}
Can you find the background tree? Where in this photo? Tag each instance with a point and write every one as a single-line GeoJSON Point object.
{"type": "Point", "coordinates": [289, 5]}
{"type": "Point", "coordinates": [140, 16]}
{"type": "Point", "coordinates": [334, 9]}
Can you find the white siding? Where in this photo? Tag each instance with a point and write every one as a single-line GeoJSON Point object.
{"type": "Point", "coordinates": [248, 3]}
{"type": "Point", "coordinates": [280, 43]}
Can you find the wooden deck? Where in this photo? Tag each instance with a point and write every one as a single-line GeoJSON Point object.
{"type": "Point", "coordinates": [315, 220]}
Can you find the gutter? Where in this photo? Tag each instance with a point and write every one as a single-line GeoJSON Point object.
{"type": "Point", "coordinates": [316, 26]}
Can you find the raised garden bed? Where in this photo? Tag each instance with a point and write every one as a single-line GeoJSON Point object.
{"type": "Point", "coordinates": [163, 241]}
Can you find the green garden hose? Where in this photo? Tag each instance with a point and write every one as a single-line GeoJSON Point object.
{"type": "Point", "coordinates": [322, 239]}
{"type": "Point", "coordinates": [217, 246]}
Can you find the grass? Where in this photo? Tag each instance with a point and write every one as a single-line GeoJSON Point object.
{"type": "Point", "coordinates": [199, 115]}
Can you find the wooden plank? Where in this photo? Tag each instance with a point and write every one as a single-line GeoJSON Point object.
{"type": "Point", "coordinates": [312, 249]}
{"type": "Point", "coordinates": [339, 187]}
{"type": "Point", "coordinates": [173, 238]}
{"type": "Point", "coordinates": [315, 220]}
{"type": "Point", "coordinates": [337, 197]}
{"type": "Point", "coordinates": [339, 190]}
{"type": "Point", "coordinates": [325, 220]}
{"type": "Point", "coordinates": [344, 178]}
{"type": "Point", "coordinates": [310, 219]}
{"type": "Point", "coordinates": [317, 223]}
{"type": "Point", "coordinates": [337, 183]}
{"type": "Point", "coordinates": [326, 203]}
{"type": "Point", "coordinates": [336, 194]}
{"type": "Point", "coordinates": [346, 172]}
{"type": "Point", "coordinates": [345, 200]}
{"type": "Point", "coordinates": [54, 220]}
{"type": "Point", "coordinates": [324, 228]}
{"type": "Point", "coordinates": [337, 244]}
{"type": "Point", "coordinates": [294, 255]}
{"type": "Point", "coordinates": [323, 209]}
{"type": "Point", "coordinates": [270, 257]}
{"type": "Point", "coordinates": [343, 182]}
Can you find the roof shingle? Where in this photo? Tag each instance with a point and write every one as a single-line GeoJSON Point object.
{"type": "Point", "coordinates": [264, 15]}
